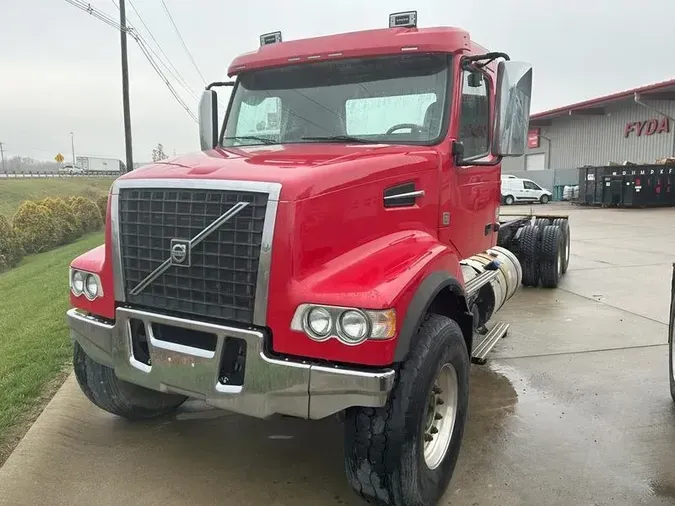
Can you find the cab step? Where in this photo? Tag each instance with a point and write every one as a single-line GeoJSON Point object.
{"type": "Point", "coordinates": [480, 351]}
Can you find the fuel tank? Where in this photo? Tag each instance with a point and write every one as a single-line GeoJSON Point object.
{"type": "Point", "coordinates": [502, 273]}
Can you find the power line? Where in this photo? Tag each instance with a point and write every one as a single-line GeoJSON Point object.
{"type": "Point", "coordinates": [139, 40]}
{"type": "Point", "coordinates": [154, 65]}
{"type": "Point", "coordinates": [166, 9]}
{"type": "Point", "coordinates": [168, 66]}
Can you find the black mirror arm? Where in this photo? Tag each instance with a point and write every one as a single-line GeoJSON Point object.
{"type": "Point", "coordinates": [220, 83]}
{"type": "Point", "coordinates": [481, 60]}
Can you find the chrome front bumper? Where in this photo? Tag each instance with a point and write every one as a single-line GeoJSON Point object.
{"type": "Point", "coordinates": [270, 386]}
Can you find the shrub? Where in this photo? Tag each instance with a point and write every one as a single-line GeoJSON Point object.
{"type": "Point", "coordinates": [35, 227]}
{"type": "Point", "coordinates": [67, 224]}
{"type": "Point", "coordinates": [87, 213]}
{"type": "Point", "coordinates": [10, 248]}
{"type": "Point", "coordinates": [102, 203]}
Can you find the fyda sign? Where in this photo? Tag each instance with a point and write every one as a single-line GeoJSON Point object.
{"type": "Point", "coordinates": [648, 127]}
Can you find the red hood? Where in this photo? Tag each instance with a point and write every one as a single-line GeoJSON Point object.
{"type": "Point", "coordinates": [304, 170]}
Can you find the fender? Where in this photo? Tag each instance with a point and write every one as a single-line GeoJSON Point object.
{"type": "Point", "coordinates": [425, 294]}
{"type": "Point", "coordinates": [95, 261]}
{"type": "Point", "coordinates": [99, 261]}
{"type": "Point", "coordinates": [382, 274]}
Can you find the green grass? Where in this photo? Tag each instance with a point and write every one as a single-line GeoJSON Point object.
{"type": "Point", "coordinates": [35, 343]}
{"type": "Point", "coordinates": [14, 191]}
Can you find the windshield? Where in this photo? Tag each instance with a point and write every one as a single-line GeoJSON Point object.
{"type": "Point", "coordinates": [393, 99]}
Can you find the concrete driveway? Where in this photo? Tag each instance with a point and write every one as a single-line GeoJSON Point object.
{"type": "Point", "coordinates": [572, 409]}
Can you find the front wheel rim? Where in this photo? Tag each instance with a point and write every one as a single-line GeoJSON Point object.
{"type": "Point", "coordinates": [441, 415]}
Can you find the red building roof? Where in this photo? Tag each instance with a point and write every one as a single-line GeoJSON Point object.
{"type": "Point", "coordinates": [664, 90]}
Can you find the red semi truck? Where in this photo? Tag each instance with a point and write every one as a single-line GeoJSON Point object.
{"type": "Point", "coordinates": [331, 250]}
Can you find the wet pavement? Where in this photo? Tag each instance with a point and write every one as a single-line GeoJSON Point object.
{"type": "Point", "coordinates": [573, 408]}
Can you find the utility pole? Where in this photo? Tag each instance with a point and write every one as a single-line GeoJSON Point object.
{"type": "Point", "coordinates": [125, 86]}
{"type": "Point", "coordinates": [2, 155]}
{"type": "Point", "coordinates": [72, 146]}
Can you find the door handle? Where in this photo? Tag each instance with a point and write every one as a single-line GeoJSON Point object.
{"type": "Point", "coordinates": [401, 195]}
{"type": "Point", "coordinates": [407, 195]}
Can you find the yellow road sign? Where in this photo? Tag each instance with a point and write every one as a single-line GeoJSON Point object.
{"type": "Point", "coordinates": [59, 158]}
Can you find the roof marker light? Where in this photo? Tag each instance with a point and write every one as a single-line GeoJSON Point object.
{"type": "Point", "coordinates": [270, 38]}
{"type": "Point", "coordinates": [409, 48]}
{"type": "Point", "coordinates": [403, 19]}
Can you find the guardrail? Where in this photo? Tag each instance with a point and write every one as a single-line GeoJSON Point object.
{"type": "Point", "coordinates": [29, 174]}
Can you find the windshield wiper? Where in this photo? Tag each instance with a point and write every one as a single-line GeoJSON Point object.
{"type": "Point", "coordinates": [251, 138]}
{"type": "Point", "coordinates": [341, 138]}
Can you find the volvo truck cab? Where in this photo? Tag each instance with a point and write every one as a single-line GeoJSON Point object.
{"type": "Point", "coordinates": [331, 249]}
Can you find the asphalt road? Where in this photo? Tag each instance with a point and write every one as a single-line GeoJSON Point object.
{"type": "Point", "coordinates": [572, 409]}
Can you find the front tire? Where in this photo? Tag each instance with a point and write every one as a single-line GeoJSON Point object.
{"type": "Point", "coordinates": [670, 369]}
{"type": "Point", "coordinates": [671, 330]}
{"type": "Point", "coordinates": [544, 199]}
{"type": "Point", "coordinates": [103, 388]}
{"type": "Point", "coordinates": [404, 454]}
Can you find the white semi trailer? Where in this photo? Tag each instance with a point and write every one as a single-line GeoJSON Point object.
{"type": "Point", "coordinates": [97, 165]}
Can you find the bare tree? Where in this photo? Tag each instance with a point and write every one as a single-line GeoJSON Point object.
{"type": "Point", "coordinates": [28, 164]}
{"type": "Point", "coordinates": [158, 153]}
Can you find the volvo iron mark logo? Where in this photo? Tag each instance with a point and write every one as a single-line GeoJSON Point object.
{"type": "Point", "coordinates": [181, 249]}
{"type": "Point", "coordinates": [180, 252]}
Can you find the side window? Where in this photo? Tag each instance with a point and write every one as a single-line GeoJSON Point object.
{"type": "Point", "coordinates": [474, 121]}
{"type": "Point", "coordinates": [259, 119]}
{"type": "Point", "coordinates": [529, 185]}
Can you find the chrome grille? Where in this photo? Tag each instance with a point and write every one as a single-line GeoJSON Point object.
{"type": "Point", "coordinates": [221, 279]}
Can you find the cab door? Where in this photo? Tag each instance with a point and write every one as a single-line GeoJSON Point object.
{"type": "Point", "coordinates": [476, 189]}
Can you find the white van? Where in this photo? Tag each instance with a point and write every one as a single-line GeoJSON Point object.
{"type": "Point", "coordinates": [516, 189]}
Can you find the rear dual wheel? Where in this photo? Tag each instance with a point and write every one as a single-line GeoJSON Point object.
{"type": "Point", "coordinates": [551, 257]}
{"type": "Point", "coordinates": [529, 254]}
{"type": "Point", "coordinates": [564, 225]}
{"type": "Point", "coordinates": [544, 251]}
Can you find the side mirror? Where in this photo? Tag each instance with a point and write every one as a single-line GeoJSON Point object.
{"type": "Point", "coordinates": [512, 107]}
{"type": "Point", "coordinates": [208, 120]}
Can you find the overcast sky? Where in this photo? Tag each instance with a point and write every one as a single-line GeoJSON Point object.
{"type": "Point", "coordinates": [60, 67]}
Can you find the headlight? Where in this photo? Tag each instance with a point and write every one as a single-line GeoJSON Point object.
{"type": "Point", "coordinates": [91, 286]}
{"type": "Point", "coordinates": [351, 326]}
{"type": "Point", "coordinates": [354, 326]}
{"type": "Point", "coordinates": [85, 283]}
{"type": "Point", "coordinates": [319, 322]}
{"type": "Point", "coordinates": [78, 282]}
